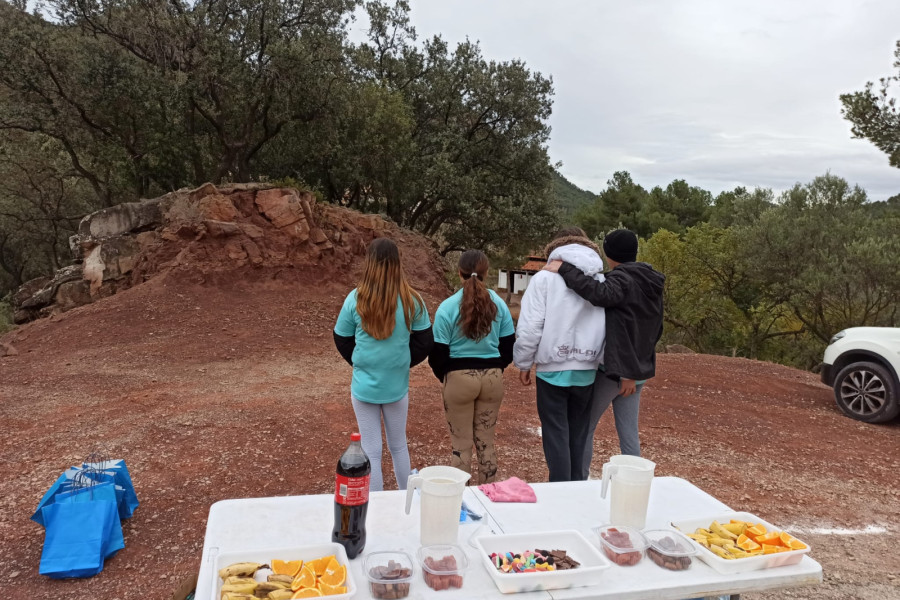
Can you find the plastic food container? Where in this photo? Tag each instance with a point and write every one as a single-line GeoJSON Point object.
{"type": "Point", "coordinates": [623, 545]}
{"type": "Point", "coordinates": [389, 573]}
{"type": "Point", "coordinates": [670, 549]}
{"type": "Point", "coordinates": [589, 572]}
{"type": "Point", "coordinates": [304, 553]}
{"type": "Point", "coordinates": [740, 565]}
{"type": "Point", "coordinates": [443, 566]}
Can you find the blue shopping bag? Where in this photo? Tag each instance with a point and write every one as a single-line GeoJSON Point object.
{"type": "Point", "coordinates": [82, 529]}
{"type": "Point", "coordinates": [122, 478]}
{"type": "Point", "coordinates": [63, 483]}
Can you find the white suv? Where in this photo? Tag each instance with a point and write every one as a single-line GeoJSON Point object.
{"type": "Point", "coordinates": [862, 365]}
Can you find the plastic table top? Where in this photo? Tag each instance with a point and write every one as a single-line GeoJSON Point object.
{"type": "Point", "coordinates": [291, 521]}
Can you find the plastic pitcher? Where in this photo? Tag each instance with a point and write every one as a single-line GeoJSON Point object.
{"type": "Point", "coordinates": [442, 490]}
{"type": "Point", "coordinates": [631, 477]}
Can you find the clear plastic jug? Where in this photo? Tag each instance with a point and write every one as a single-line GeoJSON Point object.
{"type": "Point", "coordinates": [631, 477]}
{"type": "Point", "coordinates": [442, 490]}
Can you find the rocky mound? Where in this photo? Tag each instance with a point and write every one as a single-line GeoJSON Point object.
{"type": "Point", "coordinates": [216, 235]}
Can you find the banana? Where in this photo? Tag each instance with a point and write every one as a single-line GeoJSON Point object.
{"type": "Point", "coordinates": [233, 596]}
{"type": "Point", "coordinates": [718, 551]}
{"type": "Point", "coordinates": [735, 528]}
{"type": "Point", "coordinates": [720, 541]}
{"type": "Point", "coordinates": [239, 588]}
{"type": "Point", "coordinates": [265, 587]}
{"type": "Point", "coordinates": [717, 528]}
{"type": "Point", "coordinates": [280, 595]}
{"type": "Point", "coordinates": [280, 578]}
{"type": "Point", "coordinates": [242, 569]}
{"type": "Point", "coordinates": [235, 579]}
{"type": "Point", "coordinates": [703, 532]}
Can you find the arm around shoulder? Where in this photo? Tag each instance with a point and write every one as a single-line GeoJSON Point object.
{"type": "Point", "coordinates": [610, 292]}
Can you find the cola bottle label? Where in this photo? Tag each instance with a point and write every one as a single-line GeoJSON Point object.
{"type": "Point", "coordinates": [351, 491]}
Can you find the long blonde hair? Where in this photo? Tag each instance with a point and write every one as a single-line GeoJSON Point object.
{"type": "Point", "coordinates": [382, 282]}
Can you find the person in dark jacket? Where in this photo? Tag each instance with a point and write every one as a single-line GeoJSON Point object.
{"type": "Point", "coordinates": [632, 294]}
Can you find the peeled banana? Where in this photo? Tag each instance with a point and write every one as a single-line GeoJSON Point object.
{"type": "Point", "coordinates": [242, 569]}
{"type": "Point", "coordinates": [281, 595]}
{"type": "Point", "coordinates": [717, 529]}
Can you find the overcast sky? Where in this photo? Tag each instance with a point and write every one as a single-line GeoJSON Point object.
{"type": "Point", "coordinates": [721, 93]}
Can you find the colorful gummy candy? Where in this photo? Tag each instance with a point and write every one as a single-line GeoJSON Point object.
{"type": "Point", "coordinates": [532, 561]}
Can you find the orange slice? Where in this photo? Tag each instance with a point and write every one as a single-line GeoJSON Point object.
{"type": "Point", "coordinates": [306, 578]}
{"type": "Point", "coordinates": [756, 530]}
{"type": "Point", "coordinates": [320, 564]}
{"type": "Point", "coordinates": [307, 593]}
{"type": "Point", "coordinates": [332, 590]}
{"type": "Point", "coordinates": [333, 565]}
{"type": "Point", "coordinates": [335, 577]}
{"type": "Point", "coordinates": [797, 545]}
{"type": "Point", "coordinates": [769, 549]}
{"type": "Point", "coordinates": [285, 567]}
{"type": "Point", "coordinates": [747, 544]}
{"type": "Point", "coordinates": [786, 539]}
{"type": "Point", "coordinates": [772, 538]}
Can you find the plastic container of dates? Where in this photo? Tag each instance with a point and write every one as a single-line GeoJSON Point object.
{"type": "Point", "coordinates": [390, 574]}
{"type": "Point", "coordinates": [622, 545]}
{"type": "Point", "coordinates": [443, 566]}
{"type": "Point", "coordinates": [669, 549]}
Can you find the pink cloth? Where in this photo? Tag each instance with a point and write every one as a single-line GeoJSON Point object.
{"type": "Point", "coordinates": [511, 490]}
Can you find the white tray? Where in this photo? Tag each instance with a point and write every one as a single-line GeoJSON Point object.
{"type": "Point", "coordinates": [590, 572]}
{"type": "Point", "coordinates": [739, 565]}
{"type": "Point", "coordinates": [297, 553]}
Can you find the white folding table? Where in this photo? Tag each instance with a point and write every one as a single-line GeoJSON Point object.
{"type": "Point", "coordinates": [290, 521]}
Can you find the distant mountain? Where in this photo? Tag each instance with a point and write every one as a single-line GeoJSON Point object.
{"type": "Point", "coordinates": [570, 197]}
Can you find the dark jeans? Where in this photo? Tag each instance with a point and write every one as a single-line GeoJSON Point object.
{"type": "Point", "coordinates": [565, 425]}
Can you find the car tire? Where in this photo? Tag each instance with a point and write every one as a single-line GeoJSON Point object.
{"type": "Point", "coordinates": [866, 391]}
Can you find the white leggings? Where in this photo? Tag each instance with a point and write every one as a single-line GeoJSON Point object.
{"type": "Point", "coordinates": [368, 418]}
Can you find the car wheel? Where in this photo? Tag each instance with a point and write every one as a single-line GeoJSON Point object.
{"type": "Point", "coordinates": [866, 391]}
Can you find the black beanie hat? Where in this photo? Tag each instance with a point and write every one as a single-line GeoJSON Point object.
{"type": "Point", "coordinates": [621, 245]}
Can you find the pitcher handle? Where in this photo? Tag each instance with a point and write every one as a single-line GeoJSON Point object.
{"type": "Point", "coordinates": [609, 470]}
{"type": "Point", "coordinates": [414, 481]}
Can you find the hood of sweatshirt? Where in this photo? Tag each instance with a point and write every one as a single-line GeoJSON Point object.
{"type": "Point", "coordinates": [582, 257]}
{"type": "Point", "coordinates": [649, 281]}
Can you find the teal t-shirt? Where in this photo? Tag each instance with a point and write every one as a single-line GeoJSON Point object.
{"type": "Point", "coordinates": [380, 367]}
{"type": "Point", "coordinates": [568, 378]}
{"type": "Point", "coordinates": [447, 331]}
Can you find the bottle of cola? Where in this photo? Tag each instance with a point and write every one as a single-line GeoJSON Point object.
{"type": "Point", "coordinates": [351, 498]}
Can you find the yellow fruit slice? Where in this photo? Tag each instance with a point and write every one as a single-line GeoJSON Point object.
{"type": "Point", "coordinates": [306, 578]}
{"type": "Point", "coordinates": [307, 593]}
{"type": "Point", "coordinates": [333, 565]}
{"type": "Point", "coordinates": [285, 567]}
{"type": "Point", "coordinates": [331, 590]}
{"type": "Point", "coordinates": [334, 577]}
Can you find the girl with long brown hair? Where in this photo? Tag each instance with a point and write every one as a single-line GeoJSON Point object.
{"type": "Point", "coordinates": [382, 330]}
{"type": "Point", "coordinates": [474, 337]}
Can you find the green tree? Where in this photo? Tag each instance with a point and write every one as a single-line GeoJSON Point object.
{"type": "Point", "coordinates": [739, 206]}
{"type": "Point", "coordinates": [822, 254]}
{"type": "Point", "coordinates": [873, 113]}
{"type": "Point", "coordinates": [622, 203]}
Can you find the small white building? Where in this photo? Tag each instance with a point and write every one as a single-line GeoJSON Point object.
{"type": "Point", "coordinates": [519, 278]}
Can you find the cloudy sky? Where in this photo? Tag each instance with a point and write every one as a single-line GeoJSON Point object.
{"type": "Point", "coordinates": [721, 93]}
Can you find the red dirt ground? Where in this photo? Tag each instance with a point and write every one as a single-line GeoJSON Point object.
{"type": "Point", "coordinates": [204, 390]}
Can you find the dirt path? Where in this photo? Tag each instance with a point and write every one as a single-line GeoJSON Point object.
{"type": "Point", "coordinates": [221, 394]}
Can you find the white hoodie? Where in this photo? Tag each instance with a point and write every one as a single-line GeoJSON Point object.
{"type": "Point", "coordinates": [557, 329]}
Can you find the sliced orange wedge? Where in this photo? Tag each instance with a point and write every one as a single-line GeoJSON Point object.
{"type": "Point", "coordinates": [285, 567]}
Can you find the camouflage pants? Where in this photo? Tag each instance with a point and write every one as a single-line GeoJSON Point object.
{"type": "Point", "coordinates": [471, 403]}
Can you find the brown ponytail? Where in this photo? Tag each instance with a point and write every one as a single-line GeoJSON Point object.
{"type": "Point", "coordinates": [477, 310]}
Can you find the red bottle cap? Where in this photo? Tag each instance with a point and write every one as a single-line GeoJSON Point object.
{"type": "Point", "coordinates": [355, 437]}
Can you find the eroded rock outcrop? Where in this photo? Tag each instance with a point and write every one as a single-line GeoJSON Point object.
{"type": "Point", "coordinates": [203, 231]}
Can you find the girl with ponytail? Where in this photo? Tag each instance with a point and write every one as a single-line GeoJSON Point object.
{"type": "Point", "coordinates": [382, 330]}
{"type": "Point", "coordinates": [473, 342]}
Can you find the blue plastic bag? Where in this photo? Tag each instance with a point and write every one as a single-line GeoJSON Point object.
{"type": "Point", "coordinates": [82, 529]}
